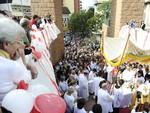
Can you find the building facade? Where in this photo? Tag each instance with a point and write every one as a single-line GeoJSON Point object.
{"type": "Point", "coordinates": [18, 7]}
{"type": "Point", "coordinates": [123, 11]}
{"type": "Point", "coordinates": [54, 8]}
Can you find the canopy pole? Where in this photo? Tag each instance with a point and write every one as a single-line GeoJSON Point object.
{"type": "Point", "coordinates": [125, 47]}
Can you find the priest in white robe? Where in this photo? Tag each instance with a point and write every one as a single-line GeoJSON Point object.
{"type": "Point", "coordinates": [96, 83]}
{"type": "Point", "coordinates": [104, 98]}
{"type": "Point", "coordinates": [83, 85]}
{"type": "Point", "coordinates": [91, 76]}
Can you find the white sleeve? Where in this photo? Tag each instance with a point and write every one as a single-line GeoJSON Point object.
{"type": "Point", "coordinates": [108, 98]}
{"type": "Point", "coordinates": [21, 73]}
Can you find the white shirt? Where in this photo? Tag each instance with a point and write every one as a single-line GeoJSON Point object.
{"type": "Point", "coordinates": [118, 96]}
{"type": "Point", "coordinates": [69, 101]}
{"type": "Point", "coordinates": [105, 100]}
{"type": "Point", "coordinates": [63, 86]}
{"type": "Point", "coordinates": [76, 110]}
{"type": "Point", "coordinates": [11, 73]}
{"type": "Point", "coordinates": [83, 86]}
{"type": "Point", "coordinates": [141, 79]}
{"type": "Point", "coordinates": [96, 82]}
{"type": "Point", "coordinates": [91, 75]}
{"type": "Point", "coordinates": [128, 75]}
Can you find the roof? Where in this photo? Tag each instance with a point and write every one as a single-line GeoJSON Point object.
{"type": "Point", "coordinates": [66, 10]}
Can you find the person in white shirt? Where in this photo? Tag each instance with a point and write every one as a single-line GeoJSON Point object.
{"type": "Point", "coordinates": [63, 86]}
{"type": "Point", "coordinates": [80, 106]}
{"type": "Point", "coordinates": [147, 80]}
{"type": "Point", "coordinates": [128, 74]}
{"type": "Point", "coordinates": [140, 76]}
{"type": "Point", "coordinates": [11, 72]}
{"type": "Point", "coordinates": [83, 85]}
{"type": "Point", "coordinates": [91, 76]}
{"type": "Point", "coordinates": [118, 96]}
{"type": "Point", "coordinates": [93, 64]}
{"type": "Point", "coordinates": [104, 98]}
{"type": "Point", "coordinates": [96, 83]}
{"type": "Point", "coordinates": [69, 98]}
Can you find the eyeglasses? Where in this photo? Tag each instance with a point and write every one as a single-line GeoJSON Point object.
{"type": "Point", "coordinates": [20, 42]}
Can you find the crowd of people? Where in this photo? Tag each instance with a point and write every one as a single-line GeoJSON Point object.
{"type": "Point", "coordinates": [84, 73]}
{"type": "Point", "coordinates": [15, 46]}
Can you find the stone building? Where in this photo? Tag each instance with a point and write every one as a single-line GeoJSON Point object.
{"type": "Point", "coordinates": [123, 11]}
{"type": "Point", "coordinates": [54, 8]}
{"type": "Point", "coordinates": [17, 8]}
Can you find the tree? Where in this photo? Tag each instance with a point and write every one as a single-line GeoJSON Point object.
{"type": "Point", "coordinates": [103, 12]}
{"type": "Point", "coordinates": [79, 22]}
{"type": "Point", "coordinates": [85, 22]}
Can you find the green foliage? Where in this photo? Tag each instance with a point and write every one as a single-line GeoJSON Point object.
{"type": "Point", "coordinates": [79, 22]}
{"type": "Point", "coordinates": [85, 22]}
{"type": "Point", "coordinates": [104, 11]}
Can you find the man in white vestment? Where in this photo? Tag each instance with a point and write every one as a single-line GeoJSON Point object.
{"type": "Point", "coordinates": [83, 85]}
{"type": "Point", "coordinates": [91, 76]}
{"type": "Point", "coordinates": [70, 100]}
{"type": "Point", "coordinates": [96, 83]}
{"type": "Point", "coordinates": [104, 98]}
{"type": "Point", "coordinates": [11, 72]}
{"type": "Point", "coordinates": [128, 75]}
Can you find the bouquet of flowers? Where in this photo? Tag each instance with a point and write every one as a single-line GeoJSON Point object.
{"type": "Point", "coordinates": [132, 86]}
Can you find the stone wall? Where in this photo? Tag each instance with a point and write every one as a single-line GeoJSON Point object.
{"type": "Point", "coordinates": [76, 6]}
{"type": "Point", "coordinates": [53, 7]}
{"type": "Point", "coordinates": [123, 11]}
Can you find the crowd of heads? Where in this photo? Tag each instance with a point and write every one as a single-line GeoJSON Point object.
{"type": "Point", "coordinates": [83, 56]}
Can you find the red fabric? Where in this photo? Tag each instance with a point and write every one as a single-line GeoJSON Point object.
{"type": "Point", "coordinates": [114, 72]}
{"type": "Point", "coordinates": [36, 54]}
{"type": "Point", "coordinates": [124, 110]}
{"type": "Point", "coordinates": [22, 85]}
{"type": "Point", "coordinates": [32, 21]}
{"type": "Point", "coordinates": [34, 110]}
{"type": "Point", "coordinates": [50, 103]}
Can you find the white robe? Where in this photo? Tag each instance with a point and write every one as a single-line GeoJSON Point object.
{"type": "Point", "coordinates": [128, 75]}
{"type": "Point", "coordinates": [118, 96]}
{"type": "Point", "coordinates": [83, 86]}
{"type": "Point", "coordinates": [69, 99]}
{"type": "Point", "coordinates": [105, 100]}
{"type": "Point", "coordinates": [11, 73]}
{"type": "Point", "coordinates": [96, 83]}
{"type": "Point", "coordinates": [91, 84]}
{"type": "Point", "coordinates": [76, 110]}
{"type": "Point", "coordinates": [109, 71]}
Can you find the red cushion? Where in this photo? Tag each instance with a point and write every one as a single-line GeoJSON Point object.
{"type": "Point", "coordinates": [124, 110]}
{"type": "Point", "coordinates": [22, 85]}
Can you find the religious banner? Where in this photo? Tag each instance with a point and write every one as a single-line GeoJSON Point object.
{"type": "Point", "coordinates": [132, 46]}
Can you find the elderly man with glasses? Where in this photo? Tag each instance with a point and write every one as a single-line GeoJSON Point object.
{"type": "Point", "coordinates": [11, 49]}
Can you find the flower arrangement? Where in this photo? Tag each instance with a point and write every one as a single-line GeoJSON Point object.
{"type": "Point", "coordinates": [132, 86]}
